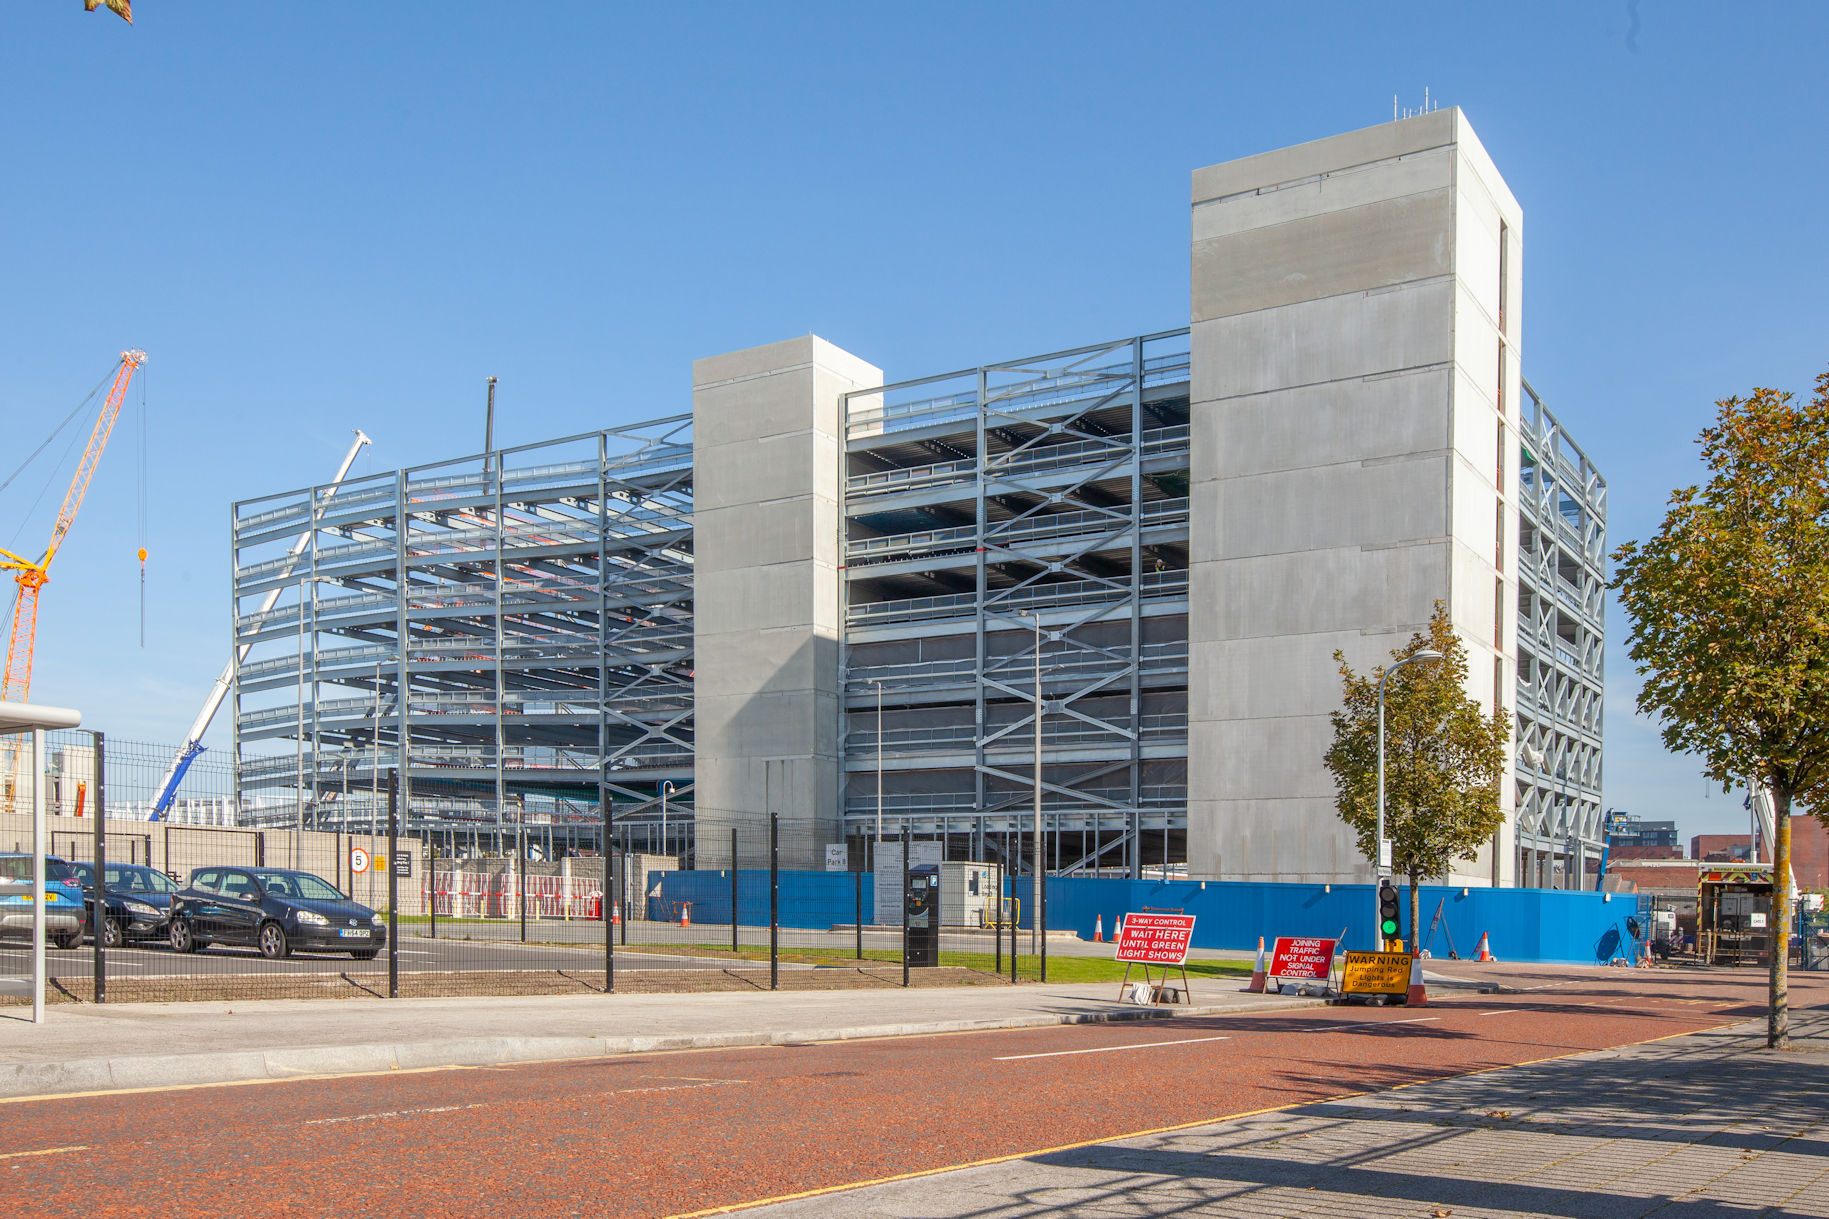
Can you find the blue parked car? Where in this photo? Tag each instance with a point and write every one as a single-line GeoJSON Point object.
{"type": "Point", "coordinates": [63, 900]}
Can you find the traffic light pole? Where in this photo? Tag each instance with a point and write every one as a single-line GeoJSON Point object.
{"type": "Point", "coordinates": [1380, 877]}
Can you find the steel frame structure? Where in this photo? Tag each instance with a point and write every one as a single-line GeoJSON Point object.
{"type": "Point", "coordinates": [975, 503]}
{"type": "Point", "coordinates": [1562, 539]}
{"type": "Point", "coordinates": [535, 606]}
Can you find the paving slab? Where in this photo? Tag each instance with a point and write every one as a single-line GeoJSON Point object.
{"type": "Point", "coordinates": [97, 1047]}
{"type": "Point", "coordinates": [1704, 1126]}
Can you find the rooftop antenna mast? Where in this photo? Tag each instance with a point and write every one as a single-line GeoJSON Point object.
{"type": "Point", "coordinates": [489, 425]}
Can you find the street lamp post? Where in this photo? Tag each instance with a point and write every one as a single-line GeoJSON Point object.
{"type": "Point", "coordinates": [1037, 933]}
{"type": "Point", "coordinates": [667, 789]}
{"type": "Point", "coordinates": [1383, 848]}
{"type": "Point", "coordinates": [877, 682]}
{"type": "Point", "coordinates": [298, 828]}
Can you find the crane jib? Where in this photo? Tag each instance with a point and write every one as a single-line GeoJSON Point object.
{"type": "Point", "coordinates": [16, 685]}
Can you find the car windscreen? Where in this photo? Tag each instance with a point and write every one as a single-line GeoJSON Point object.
{"type": "Point", "coordinates": [298, 884]}
{"type": "Point", "coordinates": [19, 867]}
{"type": "Point", "coordinates": [139, 880]}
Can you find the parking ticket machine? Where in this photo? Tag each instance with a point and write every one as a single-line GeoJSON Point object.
{"type": "Point", "coordinates": [923, 898]}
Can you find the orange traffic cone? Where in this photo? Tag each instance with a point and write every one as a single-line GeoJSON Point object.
{"type": "Point", "coordinates": [1098, 929]}
{"type": "Point", "coordinates": [1485, 952]}
{"type": "Point", "coordinates": [685, 914]}
{"type": "Point", "coordinates": [615, 913]}
{"type": "Point", "coordinates": [1257, 972]}
{"type": "Point", "coordinates": [1117, 929]}
{"type": "Point", "coordinates": [1416, 996]}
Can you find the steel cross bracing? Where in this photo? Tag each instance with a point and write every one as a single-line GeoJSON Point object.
{"type": "Point", "coordinates": [535, 604]}
{"type": "Point", "coordinates": [1057, 487]}
{"type": "Point", "coordinates": [1561, 632]}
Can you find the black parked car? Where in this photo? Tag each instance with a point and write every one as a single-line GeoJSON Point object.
{"type": "Point", "coordinates": [139, 900]}
{"type": "Point", "coordinates": [274, 910]}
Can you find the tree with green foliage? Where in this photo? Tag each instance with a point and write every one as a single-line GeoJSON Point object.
{"type": "Point", "coordinates": [1729, 603]}
{"type": "Point", "coordinates": [1443, 758]}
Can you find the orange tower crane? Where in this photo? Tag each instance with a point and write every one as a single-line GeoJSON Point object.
{"type": "Point", "coordinates": [31, 576]}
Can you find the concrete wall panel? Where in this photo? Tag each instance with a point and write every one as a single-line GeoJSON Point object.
{"type": "Point", "coordinates": [1376, 245]}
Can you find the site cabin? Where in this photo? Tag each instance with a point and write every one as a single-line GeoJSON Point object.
{"type": "Point", "coordinates": [1734, 916]}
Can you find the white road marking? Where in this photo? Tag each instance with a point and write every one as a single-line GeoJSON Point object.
{"type": "Point", "coordinates": [1501, 1013]}
{"type": "Point", "coordinates": [42, 1151]}
{"type": "Point", "coordinates": [1107, 1049]}
{"type": "Point", "coordinates": [1360, 1024]}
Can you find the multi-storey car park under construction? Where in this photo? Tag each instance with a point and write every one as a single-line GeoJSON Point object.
{"type": "Point", "coordinates": [1103, 584]}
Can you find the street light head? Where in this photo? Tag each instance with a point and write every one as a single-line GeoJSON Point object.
{"type": "Point", "coordinates": [1426, 654]}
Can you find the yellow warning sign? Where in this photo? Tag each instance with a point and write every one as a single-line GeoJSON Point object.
{"type": "Point", "coordinates": [1376, 973]}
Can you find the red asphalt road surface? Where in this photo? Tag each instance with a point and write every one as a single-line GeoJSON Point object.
{"type": "Point", "coordinates": [667, 1134]}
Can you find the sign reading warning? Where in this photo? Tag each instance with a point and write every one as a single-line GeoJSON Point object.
{"type": "Point", "coordinates": [1155, 939]}
{"type": "Point", "coordinates": [1376, 973]}
{"type": "Point", "coordinates": [1303, 958]}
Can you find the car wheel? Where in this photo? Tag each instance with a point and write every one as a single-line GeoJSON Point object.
{"type": "Point", "coordinates": [181, 938]}
{"type": "Point", "coordinates": [273, 945]}
{"type": "Point", "coordinates": [113, 936]}
{"type": "Point", "coordinates": [364, 954]}
{"type": "Point", "coordinates": [67, 939]}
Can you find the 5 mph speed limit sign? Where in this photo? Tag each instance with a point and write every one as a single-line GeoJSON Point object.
{"type": "Point", "coordinates": [358, 859]}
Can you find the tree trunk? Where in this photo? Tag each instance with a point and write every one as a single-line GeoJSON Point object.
{"type": "Point", "coordinates": [1416, 931]}
{"type": "Point", "coordinates": [1778, 1015]}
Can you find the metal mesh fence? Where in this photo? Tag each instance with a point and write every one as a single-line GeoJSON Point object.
{"type": "Point", "coordinates": [508, 904]}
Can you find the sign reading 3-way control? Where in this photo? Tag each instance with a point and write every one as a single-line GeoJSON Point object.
{"type": "Point", "coordinates": [1155, 939]}
{"type": "Point", "coordinates": [1376, 973]}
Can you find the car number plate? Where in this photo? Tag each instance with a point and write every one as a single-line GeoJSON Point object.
{"type": "Point", "coordinates": [50, 897]}
{"type": "Point", "coordinates": [351, 933]}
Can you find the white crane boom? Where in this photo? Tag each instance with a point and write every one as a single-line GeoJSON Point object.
{"type": "Point", "coordinates": [193, 741]}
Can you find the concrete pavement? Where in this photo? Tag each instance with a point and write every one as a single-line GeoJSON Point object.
{"type": "Point", "coordinates": [91, 1047]}
{"type": "Point", "coordinates": [1695, 1127]}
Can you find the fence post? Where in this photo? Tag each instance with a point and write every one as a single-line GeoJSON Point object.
{"type": "Point", "coordinates": [98, 915]}
{"type": "Point", "coordinates": [431, 888]}
{"type": "Point", "coordinates": [393, 885]}
{"type": "Point", "coordinates": [1015, 902]}
{"type": "Point", "coordinates": [997, 928]}
{"type": "Point", "coordinates": [520, 869]}
{"type": "Point", "coordinates": [733, 890]}
{"type": "Point", "coordinates": [858, 903]}
{"type": "Point", "coordinates": [609, 908]}
{"type": "Point", "coordinates": [1041, 911]}
{"type": "Point", "coordinates": [774, 901]}
{"type": "Point", "coordinates": [904, 903]}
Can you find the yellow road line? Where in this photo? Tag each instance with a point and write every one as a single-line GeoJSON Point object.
{"type": "Point", "coordinates": [1002, 1159]}
{"type": "Point", "coordinates": [916, 1175]}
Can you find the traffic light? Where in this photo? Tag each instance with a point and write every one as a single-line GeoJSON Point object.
{"type": "Point", "coordinates": [1390, 920]}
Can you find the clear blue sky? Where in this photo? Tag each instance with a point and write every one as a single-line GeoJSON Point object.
{"type": "Point", "coordinates": [323, 216]}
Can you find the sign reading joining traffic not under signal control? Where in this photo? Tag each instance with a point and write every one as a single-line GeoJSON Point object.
{"type": "Point", "coordinates": [1376, 973]}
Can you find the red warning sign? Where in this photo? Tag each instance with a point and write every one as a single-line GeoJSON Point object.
{"type": "Point", "coordinates": [1155, 939]}
{"type": "Point", "coordinates": [1303, 958]}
